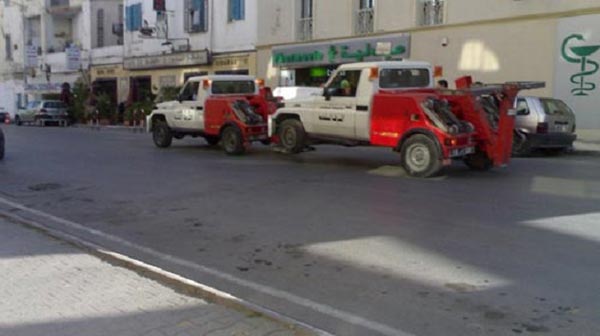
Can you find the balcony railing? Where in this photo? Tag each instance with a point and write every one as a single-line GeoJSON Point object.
{"type": "Point", "coordinates": [364, 21]}
{"type": "Point", "coordinates": [305, 29]}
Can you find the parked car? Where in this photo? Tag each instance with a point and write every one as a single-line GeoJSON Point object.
{"type": "Point", "coordinates": [1, 144]}
{"type": "Point", "coordinates": [543, 123]}
{"type": "Point", "coordinates": [43, 112]}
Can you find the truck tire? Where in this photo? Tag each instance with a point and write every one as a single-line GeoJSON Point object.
{"type": "Point", "coordinates": [292, 136]}
{"type": "Point", "coordinates": [232, 141]}
{"type": "Point", "coordinates": [479, 161]}
{"type": "Point", "coordinates": [420, 156]}
{"type": "Point", "coordinates": [161, 134]}
{"type": "Point", "coordinates": [521, 145]}
{"type": "Point", "coordinates": [212, 140]}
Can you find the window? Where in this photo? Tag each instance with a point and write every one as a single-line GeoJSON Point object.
{"type": "Point", "coordinates": [522, 107]}
{"type": "Point", "coordinates": [100, 28]}
{"type": "Point", "coordinates": [233, 87]}
{"type": "Point", "coordinates": [431, 12]}
{"type": "Point", "coordinates": [236, 10]}
{"type": "Point", "coordinates": [403, 78]}
{"type": "Point", "coordinates": [133, 17]}
{"type": "Point", "coordinates": [196, 16]}
{"type": "Point", "coordinates": [306, 9]}
{"type": "Point", "coordinates": [8, 47]}
{"type": "Point", "coordinates": [120, 24]}
{"type": "Point", "coordinates": [305, 22]}
{"type": "Point", "coordinates": [345, 83]}
{"type": "Point", "coordinates": [190, 91]}
{"type": "Point", "coordinates": [364, 17]}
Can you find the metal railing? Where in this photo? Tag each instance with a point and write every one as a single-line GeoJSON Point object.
{"type": "Point", "coordinates": [305, 29]}
{"type": "Point", "coordinates": [363, 23]}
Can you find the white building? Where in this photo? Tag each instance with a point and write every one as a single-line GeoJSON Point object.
{"type": "Point", "coordinates": [47, 43]}
{"type": "Point", "coordinates": [300, 41]}
{"type": "Point", "coordinates": [165, 46]}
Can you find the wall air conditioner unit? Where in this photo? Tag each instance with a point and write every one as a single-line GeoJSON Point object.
{"type": "Point", "coordinates": [117, 29]}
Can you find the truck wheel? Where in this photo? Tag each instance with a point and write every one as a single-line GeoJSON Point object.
{"type": "Point", "coordinates": [161, 134]}
{"type": "Point", "coordinates": [292, 136]}
{"type": "Point", "coordinates": [178, 136]}
{"type": "Point", "coordinates": [212, 140]}
{"type": "Point", "coordinates": [521, 145]}
{"type": "Point", "coordinates": [232, 141]}
{"type": "Point", "coordinates": [420, 156]}
{"type": "Point", "coordinates": [479, 161]}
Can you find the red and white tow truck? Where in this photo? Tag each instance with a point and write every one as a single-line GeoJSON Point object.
{"type": "Point", "coordinates": [393, 104]}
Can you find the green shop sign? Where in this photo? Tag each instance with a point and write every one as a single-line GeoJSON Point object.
{"type": "Point", "coordinates": [345, 51]}
{"type": "Point", "coordinates": [581, 55]}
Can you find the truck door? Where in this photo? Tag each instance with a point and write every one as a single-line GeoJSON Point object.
{"type": "Point", "coordinates": [335, 115]}
{"type": "Point", "coordinates": [190, 115]}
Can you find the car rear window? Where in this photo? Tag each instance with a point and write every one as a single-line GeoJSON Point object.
{"type": "Point", "coordinates": [54, 105]}
{"type": "Point", "coordinates": [33, 104]}
{"type": "Point", "coordinates": [233, 87]}
{"type": "Point", "coordinates": [555, 106]}
{"type": "Point", "coordinates": [403, 78]}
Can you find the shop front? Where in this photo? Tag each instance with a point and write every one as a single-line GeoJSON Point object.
{"type": "Point", "coordinates": [311, 64]}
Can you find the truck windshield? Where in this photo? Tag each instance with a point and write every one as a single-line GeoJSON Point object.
{"type": "Point", "coordinates": [403, 78]}
{"type": "Point", "coordinates": [234, 87]}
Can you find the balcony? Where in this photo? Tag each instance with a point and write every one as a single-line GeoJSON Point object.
{"type": "Point", "coordinates": [363, 23]}
{"type": "Point", "coordinates": [305, 29]}
{"type": "Point", "coordinates": [66, 8]}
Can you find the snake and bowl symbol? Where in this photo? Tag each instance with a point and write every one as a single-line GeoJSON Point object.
{"type": "Point", "coordinates": [588, 66]}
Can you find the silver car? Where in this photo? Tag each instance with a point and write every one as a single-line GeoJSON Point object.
{"type": "Point", "coordinates": [543, 123]}
{"type": "Point", "coordinates": [43, 112]}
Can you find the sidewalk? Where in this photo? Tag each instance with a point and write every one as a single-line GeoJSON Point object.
{"type": "Point", "coordinates": [588, 140]}
{"type": "Point", "coordinates": [48, 287]}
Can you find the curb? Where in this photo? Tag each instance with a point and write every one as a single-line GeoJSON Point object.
{"type": "Point", "coordinates": [174, 281]}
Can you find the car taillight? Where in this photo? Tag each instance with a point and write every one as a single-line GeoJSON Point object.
{"type": "Point", "coordinates": [542, 127]}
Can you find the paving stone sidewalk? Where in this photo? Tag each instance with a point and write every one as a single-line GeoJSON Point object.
{"type": "Point", "coordinates": [48, 287]}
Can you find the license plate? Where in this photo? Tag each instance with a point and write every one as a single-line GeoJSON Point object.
{"type": "Point", "coordinates": [462, 151]}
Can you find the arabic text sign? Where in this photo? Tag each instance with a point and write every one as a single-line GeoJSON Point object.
{"type": "Point", "coordinates": [343, 51]}
{"type": "Point", "coordinates": [31, 56]}
{"type": "Point", "coordinates": [170, 60]}
{"type": "Point", "coordinates": [73, 58]}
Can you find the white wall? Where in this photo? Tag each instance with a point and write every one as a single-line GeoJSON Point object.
{"type": "Point", "coordinates": [234, 35]}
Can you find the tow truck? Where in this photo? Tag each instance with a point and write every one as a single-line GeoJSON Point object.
{"type": "Point", "coordinates": [230, 109]}
{"type": "Point", "coordinates": [394, 104]}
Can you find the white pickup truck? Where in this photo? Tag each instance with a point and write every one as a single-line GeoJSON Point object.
{"type": "Point", "coordinates": [342, 113]}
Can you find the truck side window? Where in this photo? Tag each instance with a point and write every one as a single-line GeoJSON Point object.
{"type": "Point", "coordinates": [522, 108]}
{"type": "Point", "coordinates": [345, 83]}
{"type": "Point", "coordinates": [190, 91]}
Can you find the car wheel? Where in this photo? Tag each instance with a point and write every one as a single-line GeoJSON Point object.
{"type": "Point", "coordinates": [1, 145]}
{"type": "Point", "coordinates": [292, 136]}
{"type": "Point", "coordinates": [521, 145]}
{"type": "Point", "coordinates": [212, 140]}
{"type": "Point", "coordinates": [161, 134]}
{"type": "Point", "coordinates": [420, 156]}
{"type": "Point", "coordinates": [18, 121]}
{"type": "Point", "coordinates": [479, 161]}
{"type": "Point", "coordinates": [232, 140]}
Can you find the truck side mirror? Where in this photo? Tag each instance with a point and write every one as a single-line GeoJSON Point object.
{"type": "Point", "coordinates": [328, 92]}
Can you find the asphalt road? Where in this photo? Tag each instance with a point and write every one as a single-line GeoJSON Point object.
{"type": "Point", "coordinates": [337, 238]}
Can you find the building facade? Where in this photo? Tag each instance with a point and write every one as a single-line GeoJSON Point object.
{"type": "Point", "coordinates": [166, 42]}
{"type": "Point", "coordinates": [301, 41]}
{"type": "Point", "coordinates": [48, 44]}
